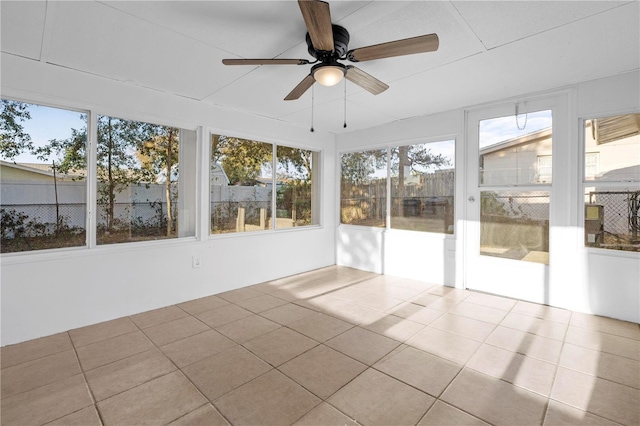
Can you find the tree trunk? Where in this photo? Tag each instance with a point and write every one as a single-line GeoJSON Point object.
{"type": "Point", "coordinates": [168, 181]}
{"type": "Point", "coordinates": [111, 184]}
{"type": "Point", "coordinates": [403, 159]}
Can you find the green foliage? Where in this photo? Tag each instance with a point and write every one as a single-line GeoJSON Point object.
{"type": "Point", "coordinates": [13, 139]}
{"type": "Point", "coordinates": [241, 159]}
{"type": "Point", "coordinates": [357, 167]}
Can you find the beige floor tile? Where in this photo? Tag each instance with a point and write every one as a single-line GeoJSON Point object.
{"type": "Point", "coordinates": [604, 342]}
{"type": "Point", "coordinates": [235, 296]}
{"type": "Point", "coordinates": [325, 415]}
{"type": "Point", "coordinates": [286, 314]}
{"type": "Point", "coordinates": [354, 312]}
{"type": "Point", "coordinates": [33, 349]}
{"type": "Point", "coordinates": [271, 399]}
{"type": "Point", "coordinates": [279, 346]}
{"type": "Point", "coordinates": [424, 371]}
{"type": "Point", "coordinates": [542, 311]}
{"type": "Point", "coordinates": [377, 300]}
{"type": "Point", "coordinates": [559, 414]}
{"type": "Point", "coordinates": [401, 293]}
{"type": "Point", "coordinates": [606, 325]}
{"type": "Point", "coordinates": [446, 345]}
{"type": "Point", "coordinates": [159, 401]}
{"type": "Point", "coordinates": [374, 398]}
{"type": "Point", "coordinates": [479, 312]}
{"type": "Point", "coordinates": [362, 345]}
{"type": "Point", "coordinates": [394, 327]}
{"type": "Point", "coordinates": [412, 284]}
{"type": "Point", "coordinates": [224, 315]}
{"type": "Point", "coordinates": [197, 347]}
{"type": "Point", "coordinates": [415, 313]}
{"type": "Point", "coordinates": [523, 371]}
{"type": "Point", "coordinates": [127, 373]}
{"type": "Point", "coordinates": [445, 304]}
{"type": "Point", "coordinates": [495, 401]}
{"type": "Point", "coordinates": [46, 403]}
{"type": "Point", "coordinates": [425, 299]}
{"type": "Point", "coordinates": [175, 330]}
{"type": "Point", "coordinates": [261, 303]}
{"type": "Point", "coordinates": [320, 326]}
{"type": "Point", "coordinates": [247, 328]}
{"type": "Point", "coordinates": [113, 349]}
{"type": "Point", "coordinates": [101, 331]}
{"type": "Point", "coordinates": [526, 343]}
{"type": "Point", "coordinates": [225, 371]}
{"type": "Point", "coordinates": [550, 329]}
{"type": "Point", "coordinates": [322, 370]}
{"type": "Point", "coordinates": [442, 414]}
{"type": "Point", "coordinates": [198, 306]}
{"type": "Point", "coordinates": [598, 396]}
{"type": "Point", "coordinates": [86, 417]}
{"type": "Point", "coordinates": [39, 372]}
{"type": "Point", "coordinates": [607, 366]}
{"type": "Point", "coordinates": [205, 415]}
{"type": "Point", "coordinates": [467, 327]}
{"type": "Point", "coordinates": [491, 301]}
{"type": "Point", "coordinates": [158, 316]}
{"type": "Point", "coordinates": [449, 292]}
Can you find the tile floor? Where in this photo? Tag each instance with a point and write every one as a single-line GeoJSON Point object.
{"type": "Point", "coordinates": [334, 346]}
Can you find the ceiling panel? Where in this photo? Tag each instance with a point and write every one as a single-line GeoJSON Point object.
{"type": "Point", "coordinates": [500, 22]}
{"type": "Point", "coordinates": [22, 27]}
{"type": "Point", "coordinates": [122, 47]}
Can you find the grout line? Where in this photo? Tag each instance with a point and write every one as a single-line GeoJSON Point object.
{"type": "Point", "coordinates": [86, 382]}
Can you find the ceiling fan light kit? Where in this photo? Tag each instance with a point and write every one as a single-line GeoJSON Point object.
{"type": "Point", "coordinates": [329, 43]}
{"type": "Point", "coordinates": [328, 75]}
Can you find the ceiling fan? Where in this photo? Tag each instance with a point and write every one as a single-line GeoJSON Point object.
{"type": "Point", "coordinates": [328, 44]}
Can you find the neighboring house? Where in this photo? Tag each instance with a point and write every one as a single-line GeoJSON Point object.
{"type": "Point", "coordinates": [611, 153]}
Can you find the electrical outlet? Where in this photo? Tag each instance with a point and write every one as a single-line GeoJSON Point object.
{"type": "Point", "coordinates": [196, 262]}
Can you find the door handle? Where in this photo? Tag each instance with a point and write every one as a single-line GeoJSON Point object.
{"type": "Point", "coordinates": [472, 199]}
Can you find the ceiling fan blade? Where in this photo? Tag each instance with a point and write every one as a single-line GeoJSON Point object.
{"type": "Point", "coordinates": [364, 80]}
{"type": "Point", "coordinates": [302, 87]}
{"type": "Point", "coordinates": [265, 62]}
{"type": "Point", "coordinates": [317, 18]}
{"type": "Point", "coordinates": [407, 46]}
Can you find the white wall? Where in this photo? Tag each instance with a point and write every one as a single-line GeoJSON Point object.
{"type": "Point", "coordinates": [603, 282]}
{"type": "Point", "coordinates": [48, 292]}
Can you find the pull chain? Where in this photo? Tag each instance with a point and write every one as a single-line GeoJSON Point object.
{"type": "Point", "coordinates": [312, 98]}
{"type": "Point", "coordinates": [345, 104]}
{"type": "Point", "coordinates": [526, 116]}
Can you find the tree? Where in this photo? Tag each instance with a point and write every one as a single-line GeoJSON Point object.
{"type": "Point", "coordinates": [241, 159]}
{"type": "Point", "coordinates": [13, 139]}
{"type": "Point", "coordinates": [159, 158]}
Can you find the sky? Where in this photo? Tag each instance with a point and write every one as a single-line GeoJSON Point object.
{"type": "Point", "coordinates": [46, 124]}
{"type": "Point", "coordinates": [500, 129]}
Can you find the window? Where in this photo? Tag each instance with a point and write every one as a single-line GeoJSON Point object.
{"type": "Point", "coordinates": [242, 180]}
{"type": "Point", "coordinates": [363, 188]}
{"type": "Point", "coordinates": [422, 187]}
{"type": "Point", "coordinates": [419, 185]}
{"type": "Point", "coordinates": [141, 193]}
{"type": "Point", "coordinates": [296, 202]}
{"type": "Point", "coordinates": [612, 182]}
{"type": "Point", "coordinates": [43, 172]}
{"type": "Point", "coordinates": [514, 223]}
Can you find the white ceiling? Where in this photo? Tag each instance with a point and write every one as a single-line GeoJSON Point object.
{"type": "Point", "coordinates": [488, 50]}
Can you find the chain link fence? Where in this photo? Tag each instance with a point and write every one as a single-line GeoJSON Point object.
{"type": "Point", "coordinates": [620, 215]}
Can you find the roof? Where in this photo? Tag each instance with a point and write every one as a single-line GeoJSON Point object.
{"type": "Point", "coordinates": [520, 140]}
{"type": "Point", "coordinates": [41, 168]}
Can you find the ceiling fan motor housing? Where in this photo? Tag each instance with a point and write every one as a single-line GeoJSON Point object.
{"type": "Point", "coordinates": [340, 45]}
